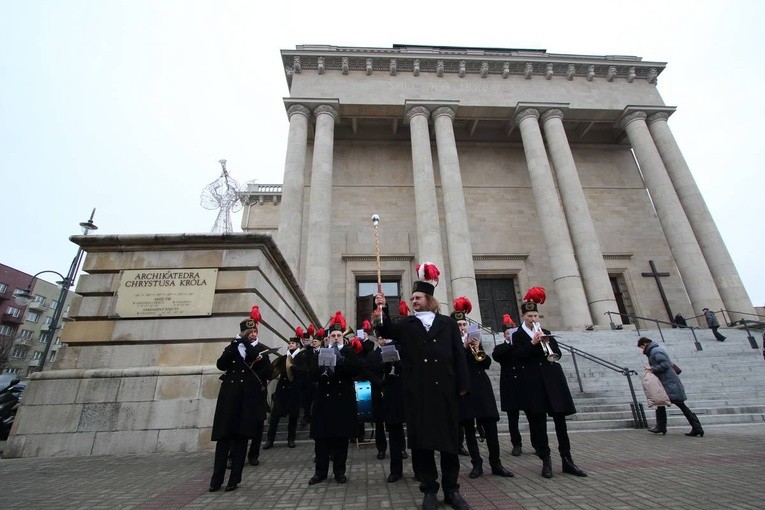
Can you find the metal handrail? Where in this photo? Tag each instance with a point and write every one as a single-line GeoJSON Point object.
{"type": "Point", "coordinates": [658, 322]}
{"type": "Point", "coordinates": [638, 412]}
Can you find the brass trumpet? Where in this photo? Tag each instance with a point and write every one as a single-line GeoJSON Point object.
{"type": "Point", "coordinates": [550, 355]}
{"type": "Point", "coordinates": [477, 353]}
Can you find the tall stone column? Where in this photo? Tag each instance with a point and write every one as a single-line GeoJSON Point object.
{"type": "Point", "coordinates": [719, 261]}
{"type": "Point", "coordinates": [688, 257]}
{"type": "Point", "coordinates": [461, 268]}
{"type": "Point", "coordinates": [288, 237]}
{"type": "Point", "coordinates": [597, 286]}
{"type": "Point", "coordinates": [317, 267]}
{"type": "Point", "coordinates": [566, 278]}
{"type": "Point", "coordinates": [429, 247]}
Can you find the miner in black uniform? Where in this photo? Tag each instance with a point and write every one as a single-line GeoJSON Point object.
{"type": "Point", "coordinates": [511, 390]}
{"type": "Point", "coordinates": [479, 405]}
{"type": "Point", "coordinates": [241, 406]}
{"type": "Point", "coordinates": [434, 375]}
{"type": "Point", "coordinates": [545, 384]}
{"type": "Point", "coordinates": [334, 418]}
{"type": "Point", "coordinates": [287, 396]}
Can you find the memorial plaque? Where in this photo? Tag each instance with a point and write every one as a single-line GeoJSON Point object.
{"type": "Point", "coordinates": [165, 292]}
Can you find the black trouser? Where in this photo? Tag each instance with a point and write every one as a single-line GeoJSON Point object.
{"type": "Point", "coordinates": [661, 416]}
{"type": "Point", "coordinates": [397, 445]}
{"type": "Point", "coordinates": [512, 425]}
{"type": "Point", "coordinates": [273, 424]}
{"type": "Point", "coordinates": [492, 441]}
{"type": "Point", "coordinates": [538, 433]}
{"type": "Point", "coordinates": [717, 334]}
{"type": "Point", "coordinates": [380, 441]}
{"type": "Point", "coordinates": [257, 437]}
{"type": "Point", "coordinates": [338, 447]}
{"type": "Point", "coordinates": [424, 463]}
{"type": "Point", "coordinates": [237, 447]}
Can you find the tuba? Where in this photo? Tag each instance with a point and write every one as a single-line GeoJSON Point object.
{"type": "Point", "coordinates": [550, 355]}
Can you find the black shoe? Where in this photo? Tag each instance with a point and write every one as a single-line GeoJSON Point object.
{"type": "Point", "coordinates": [547, 467]}
{"type": "Point", "coordinates": [477, 469]}
{"type": "Point", "coordinates": [696, 432]}
{"type": "Point", "coordinates": [341, 478]}
{"type": "Point", "coordinates": [517, 451]}
{"type": "Point", "coordinates": [571, 468]}
{"type": "Point", "coordinates": [429, 502]}
{"type": "Point", "coordinates": [658, 430]}
{"type": "Point", "coordinates": [214, 488]}
{"type": "Point", "coordinates": [230, 487]}
{"type": "Point", "coordinates": [464, 452]}
{"type": "Point", "coordinates": [404, 455]}
{"type": "Point", "coordinates": [290, 444]}
{"type": "Point", "coordinates": [269, 444]}
{"type": "Point", "coordinates": [456, 501]}
{"type": "Point", "coordinates": [394, 477]}
{"type": "Point", "coordinates": [254, 461]}
{"type": "Point", "coordinates": [501, 470]}
{"type": "Point", "coordinates": [316, 479]}
{"type": "Point", "coordinates": [380, 455]}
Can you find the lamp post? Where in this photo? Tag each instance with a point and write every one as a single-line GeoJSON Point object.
{"type": "Point", "coordinates": [25, 297]}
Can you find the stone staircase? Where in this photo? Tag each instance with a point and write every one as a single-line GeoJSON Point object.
{"type": "Point", "coordinates": [724, 382]}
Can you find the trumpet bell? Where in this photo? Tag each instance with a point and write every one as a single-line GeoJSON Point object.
{"type": "Point", "coordinates": [553, 357]}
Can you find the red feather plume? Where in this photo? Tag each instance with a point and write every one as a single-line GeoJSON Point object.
{"type": "Point", "coordinates": [255, 314]}
{"type": "Point", "coordinates": [403, 308]}
{"type": "Point", "coordinates": [310, 330]}
{"type": "Point", "coordinates": [462, 304]}
{"type": "Point", "coordinates": [320, 333]}
{"type": "Point", "coordinates": [366, 326]}
{"type": "Point", "coordinates": [299, 332]}
{"type": "Point", "coordinates": [338, 319]}
{"type": "Point", "coordinates": [507, 320]}
{"type": "Point", "coordinates": [357, 345]}
{"type": "Point", "coordinates": [428, 272]}
{"type": "Point", "coordinates": [535, 294]}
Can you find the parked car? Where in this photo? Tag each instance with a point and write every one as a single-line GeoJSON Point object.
{"type": "Point", "coordinates": [7, 380]}
{"type": "Point", "coordinates": [10, 398]}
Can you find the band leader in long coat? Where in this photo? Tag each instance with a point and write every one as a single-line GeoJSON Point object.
{"type": "Point", "coordinates": [434, 372]}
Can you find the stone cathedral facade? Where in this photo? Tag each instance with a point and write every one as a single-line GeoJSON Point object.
{"type": "Point", "coordinates": [507, 168]}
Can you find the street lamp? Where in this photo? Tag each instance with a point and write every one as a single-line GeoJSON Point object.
{"type": "Point", "coordinates": [25, 297]}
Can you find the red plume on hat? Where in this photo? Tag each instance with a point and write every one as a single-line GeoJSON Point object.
{"type": "Point", "coordinates": [535, 294]}
{"type": "Point", "coordinates": [299, 332]}
{"type": "Point", "coordinates": [319, 333]}
{"type": "Point", "coordinates": [338, 319]}
{"type": "Point", "coordinates": [366, 326]}
{"type": "Point", "coordinates": [310, 330]}
{"type": "Point", "coordinates": [255, 314]}
{"type": "Point", "coordinates": [462, 304]}
{"type": "Point", "coordinates": [357, 345]}
{"type": "Point", "coordinates": [403, 308]}
{"type": "Point", "coordinates": [428, 272]}
{"type": "Point", "coordinates": [508, 321]}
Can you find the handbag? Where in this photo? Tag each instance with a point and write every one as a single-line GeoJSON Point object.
{"type": "Point", "coordinates": [677, 369]}
{"type": "Point", "coordinates": [655, 393]}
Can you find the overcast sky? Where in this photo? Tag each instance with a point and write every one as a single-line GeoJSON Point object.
{"type": "Point", "coordinates": [128, 106]}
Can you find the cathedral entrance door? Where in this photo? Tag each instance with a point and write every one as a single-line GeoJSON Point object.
{"type": "Point", "coordinates": [496, 297]}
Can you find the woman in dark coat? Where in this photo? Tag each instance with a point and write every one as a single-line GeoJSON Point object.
{"type": "Point", "coordinates": [241, 406]}
{"type": "Point", "coordinates": [334, 415]}
{"type": "Point", "coordinates": [660, 364]}
{"type": "Point", "coordinates": [479, 405]}
{"type": "Point", "coordinates": [545, 385]}
{"type": "Point", "coordinates": [434, 375]}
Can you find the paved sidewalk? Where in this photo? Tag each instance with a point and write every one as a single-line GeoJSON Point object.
{"type": "Point", "coordinates": [627, 469]}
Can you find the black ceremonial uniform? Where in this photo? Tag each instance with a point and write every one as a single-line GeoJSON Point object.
{"type": "Point", "coordinates": [241, 407]}
{"type": "Point", "coordinates": [287, 397]}
{"type": "Point", "coordinates": [512, 390]}
{"type": "Point", "coordinates": [390, 408]}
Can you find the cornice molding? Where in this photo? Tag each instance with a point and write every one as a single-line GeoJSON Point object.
{"type": "Point", "coordinates": [371, 258]}
{"type": "Point", "coordinates": [481, 62]}
{"type": "Point", "coordinates": [500, 256]}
